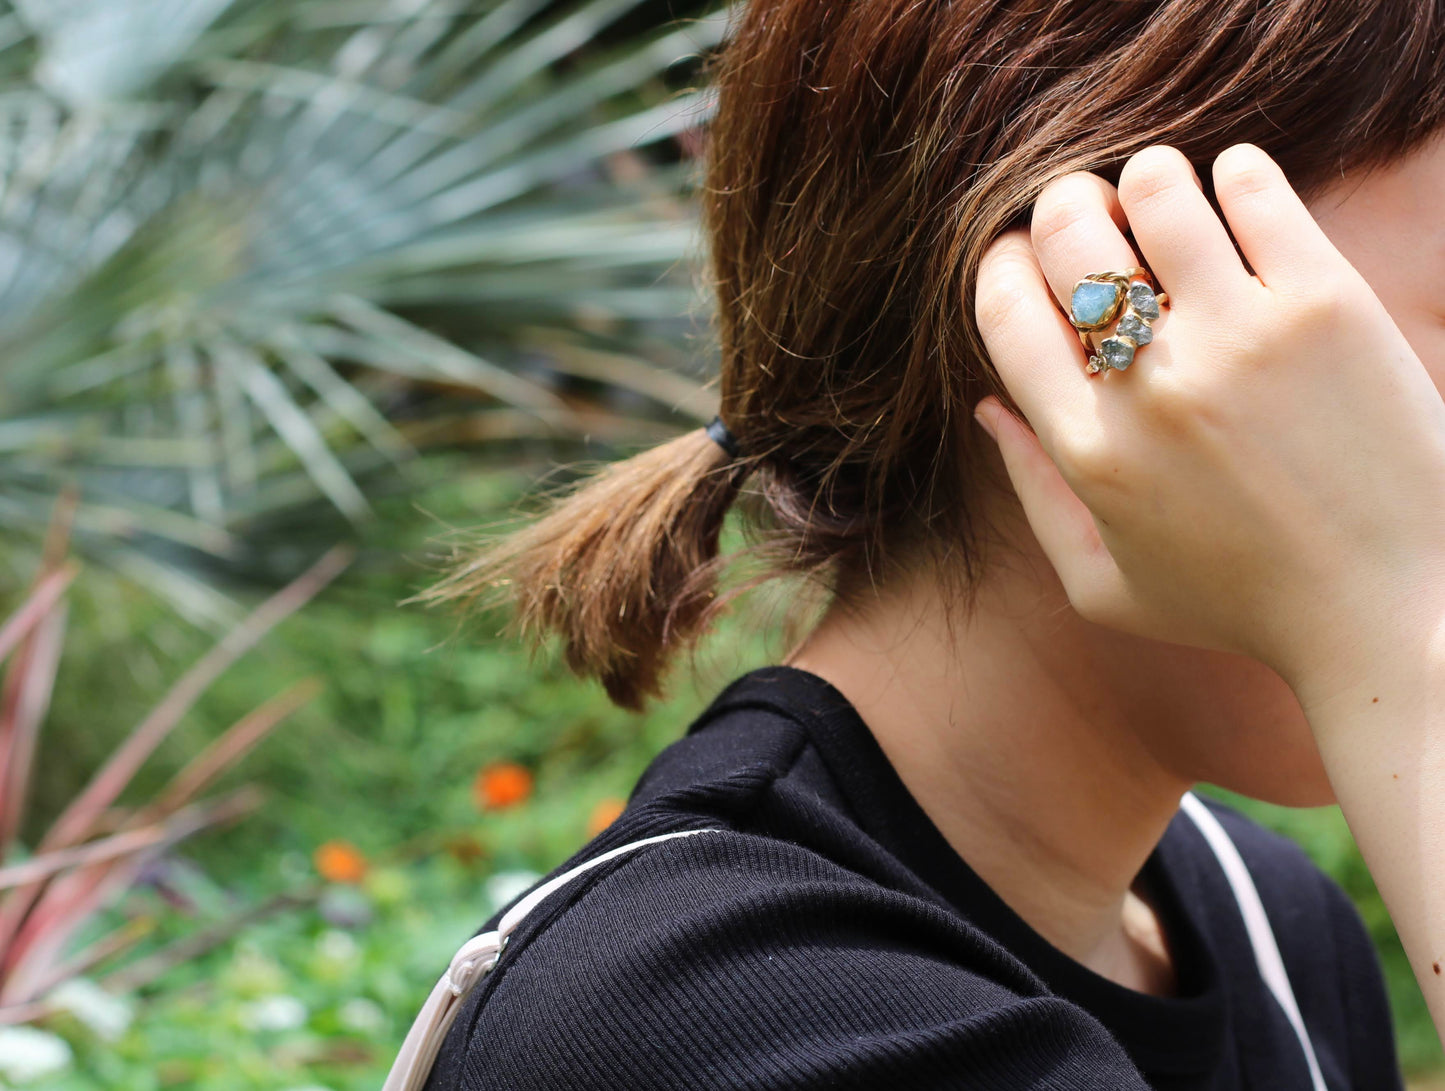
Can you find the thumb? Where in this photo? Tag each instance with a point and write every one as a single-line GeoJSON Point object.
{"type": "Point", "coordinates": [1061, 522]}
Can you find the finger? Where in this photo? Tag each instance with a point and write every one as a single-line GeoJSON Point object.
{"type": "Point", "coordinates": [1078, 228]}
{"type": "Point", "coordinates": [1277, 233]}
{"type": "Point", "coordinates": [1032, 346]}
{"type": "Point", "coordinates": [1183, 241]}
{"type": "Point", "coordinates": [1061, 522]}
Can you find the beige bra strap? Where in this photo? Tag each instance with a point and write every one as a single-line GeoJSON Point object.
{"type": "Point", "coordinates": [1256, 923]}
{"type": "Point", "coordinates": [474, 961]}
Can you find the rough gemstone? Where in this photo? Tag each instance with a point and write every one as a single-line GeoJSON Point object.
{"type": "Point", "coordinates": [1118, 352]}
{"type": "Point", "coordinates": [1143, 300]}
{"type": "Point", "coordinates": [1093, 300]}
{"type": "Point", "coordinates": [1135, 329]}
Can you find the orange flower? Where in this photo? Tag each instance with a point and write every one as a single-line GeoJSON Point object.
{"type": "Point", "coordinates": [339, 862]}
{"type": "Point", "coordinates": [604, 814]}
{"type": "Point", "coordinates": [501, 784]}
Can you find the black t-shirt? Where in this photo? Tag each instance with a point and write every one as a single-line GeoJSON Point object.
{"type": "Point", "coordinates": [830, 937]}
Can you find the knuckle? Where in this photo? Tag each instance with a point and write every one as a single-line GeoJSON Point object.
{"type": "Point", "coordinates": [1093, 602]}
{"type": "Point", "coordinates": [1087, 606]}
{"type": "Point", "coordinates": [1189, 409]}
{"type": "Point", "coordinates": [1060, 209]}
{"type": "Point", "coordinates": [1325, 301]}
{"type": "Point", "coordinates": [1000, 291]}
{"type": "Point", "coordinates": [1244, 183]}
{"type": "Point", "coordinates": [1084, 601]}
{"type": "Point", "coordinates": [1340, 292]}
{"type": "Point", "coordinates": [1153, 174]}
{"type": "Point", "coordinates": [1242, 171]}
{"type": "Point", "coordinates": [1172, 402]}
{"type": "Point", "coordinates": [1085, 460]}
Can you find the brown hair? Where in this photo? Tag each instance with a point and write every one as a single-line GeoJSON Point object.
{"type": "Point", "coordinates": [861, 158]}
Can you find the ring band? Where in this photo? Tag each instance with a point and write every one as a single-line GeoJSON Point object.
{"type": "Point", "coordinates": [1127, 296]}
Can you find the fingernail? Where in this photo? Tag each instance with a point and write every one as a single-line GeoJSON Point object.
{"type": "Point", "coordinates": [985, 424]}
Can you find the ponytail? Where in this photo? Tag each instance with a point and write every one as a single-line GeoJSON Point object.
{"type": "Point", "coordinates": [623, 569]}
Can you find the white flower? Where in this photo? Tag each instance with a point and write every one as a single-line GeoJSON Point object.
{"type": "Point", "coordinates": [362, 1016]}
{"type": "Point", "coordinates": [105, 1014]}
{"type": "Point", "coordinates": [334, 945]}
{"type": "Point", "coordinates": [28, 1054]}
{"type": "Point", "coordinates": [505, 886]}
{"type": "Point", "coordinates": [274, 1013]}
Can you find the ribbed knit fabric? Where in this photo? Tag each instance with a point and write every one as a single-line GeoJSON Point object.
{"type": "Point", "coordinates": [832, 938]}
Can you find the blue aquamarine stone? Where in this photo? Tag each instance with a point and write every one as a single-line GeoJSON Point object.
{"type": "Point", "coordinates": [1135, 329]}
{"type": "Point", "coordinates": [1092, 301]}
{"type": "Point", "coordinates": [1143, 300]}
{"type": "Point", "coordinates": [1118, 353]}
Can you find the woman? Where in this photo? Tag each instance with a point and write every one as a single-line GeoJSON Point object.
{"type": "Point", "coordinates": [945, 845]}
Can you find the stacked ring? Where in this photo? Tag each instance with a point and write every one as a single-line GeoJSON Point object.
{"type": "Point", "coordinates": [1100, 298]}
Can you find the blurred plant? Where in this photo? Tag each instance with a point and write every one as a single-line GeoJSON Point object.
{"type": "Point", "coordinates": [95, 849]}
{"type": "Point", "coordinates": [253, 251]}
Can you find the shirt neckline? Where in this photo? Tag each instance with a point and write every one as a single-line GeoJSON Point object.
{"type": "Point", "coordinates": [1175, 1034]}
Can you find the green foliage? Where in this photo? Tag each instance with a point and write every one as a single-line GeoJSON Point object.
{"type": "Point", "coordinates": [296, 1001]}
{"type": "Point", "coordinates": [258, 253]}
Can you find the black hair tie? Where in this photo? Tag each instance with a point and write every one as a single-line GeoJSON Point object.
{"type": "Point", "coordinates": [718, 432]}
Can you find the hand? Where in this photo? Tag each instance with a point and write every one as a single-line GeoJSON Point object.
{"type": "Point", "coordinates": [1269, 475]}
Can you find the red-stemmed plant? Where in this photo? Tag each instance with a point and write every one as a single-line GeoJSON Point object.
{"type": "Point", "coordinates": [97, 846]}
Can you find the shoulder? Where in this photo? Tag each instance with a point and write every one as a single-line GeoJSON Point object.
{"type": "Point", "coordinates": [1328, 953]}
{"type": "Point", "coordinates": [729, 959]}
{"type": "Point", "coordinates": [747, 738]}
{"type": "Point", "coordinates": [1296, 892]}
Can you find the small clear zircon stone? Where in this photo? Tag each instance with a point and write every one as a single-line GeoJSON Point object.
{"type": "Point", "coordinates": [1143, 300]}
{"type": "Point", "coordinates": [1118, 352]}
{"type": "Point", "coordinates": [1135, 329]}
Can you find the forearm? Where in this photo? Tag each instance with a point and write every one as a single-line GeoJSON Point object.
{"type": "Point", "coordinates": [1382, 738]}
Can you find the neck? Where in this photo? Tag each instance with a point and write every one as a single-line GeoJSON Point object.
{"type": "Point", "coordinates": [1023, 736]}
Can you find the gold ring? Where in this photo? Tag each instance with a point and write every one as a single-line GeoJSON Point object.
{"type": "Point", "coordinates": [1099, 299]}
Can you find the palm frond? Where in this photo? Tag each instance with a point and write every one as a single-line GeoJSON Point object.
{"type": "Point", "coordinates": [237, 236]}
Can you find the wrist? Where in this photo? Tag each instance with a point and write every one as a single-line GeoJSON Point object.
{"type": "Point", "coordinates": [1397, 662]}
